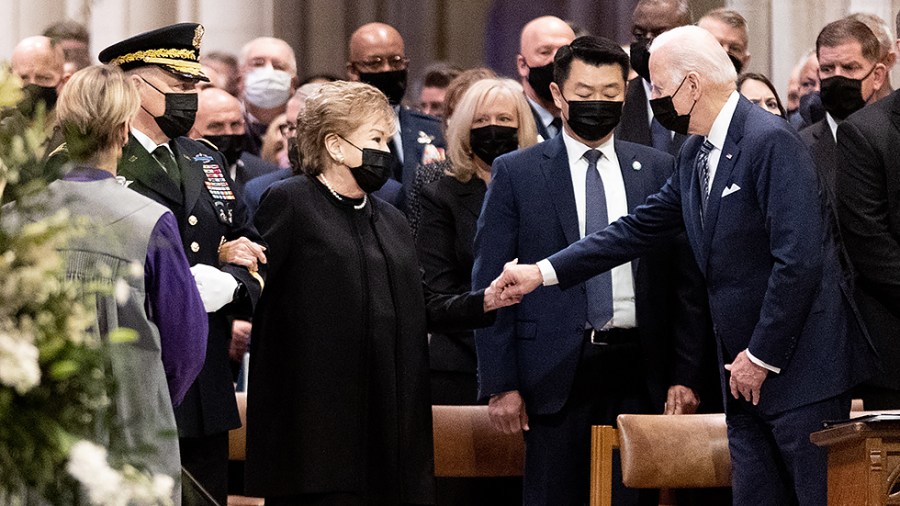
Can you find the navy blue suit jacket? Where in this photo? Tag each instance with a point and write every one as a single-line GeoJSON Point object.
{"type": "Point", "coordinates": [417, 130]}
{"type": "Point", "coordinates": [771, 266]}
{"type": "Point", "coordinates": [529, 213]}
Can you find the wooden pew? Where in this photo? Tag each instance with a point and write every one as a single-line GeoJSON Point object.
{"type": "Point", "coordinates": [467, 446]}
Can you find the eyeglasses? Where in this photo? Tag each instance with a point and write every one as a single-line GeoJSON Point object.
{"type": "Point", "coordinates": [288, 130]}
{"type": "Point", "coordinates": [376, 63]}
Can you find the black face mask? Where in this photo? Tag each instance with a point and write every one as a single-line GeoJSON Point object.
{"type": "Point", "coordinates": [392, 83]}
{"type": "Point", "coordinates": [489, 142]}
{"type": "Point", "coordinates": [593, 120]}
{"type": "Point", "coordinates": [178, 118]}
{"type": "Point", "coordinates": [540, 78]}
{"type": "Point", "coordinates": [294, 155]}
{"type": "Point", "coordinates": [232, 146]}
{"type": "Point", "coordinates": [664, 111]}
{"type": "Point", "coordinates": [375, 170]}
{"type": "Point", "coordinates": [738, 64]}
{"type": "Point", "coordinates": [35, 94]}
{"type": "Point", "coordinates": [842, 96]}
{"type": "Point", "coordinates": [640, 57]}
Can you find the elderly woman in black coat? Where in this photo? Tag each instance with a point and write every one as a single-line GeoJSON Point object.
{"type": "Point", "coordinates": [338, 401]}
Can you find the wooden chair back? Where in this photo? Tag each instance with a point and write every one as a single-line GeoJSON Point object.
{"type": "Point", "coordinates": [466, 445]}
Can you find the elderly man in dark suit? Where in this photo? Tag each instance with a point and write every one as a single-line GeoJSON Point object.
{"type": "Point", "coordinates": [629, 342]}
{"type": "Point", "coordinates": [789, 342]}
{"type": "Point", "coordinates": [851, 76]}
{"type": "Point", "coordinates": [378, 57]}
{"type": "Point", "coordinates": [650, 18]}
{"type": "Point", "coordinates": [191, 179]}
{"type": "Point", "coordinates": [867, 178]}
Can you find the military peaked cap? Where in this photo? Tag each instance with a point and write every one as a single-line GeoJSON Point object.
{"type": "Point", "coordinates": [174, 48]}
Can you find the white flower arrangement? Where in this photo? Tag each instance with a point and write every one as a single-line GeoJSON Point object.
{"type": "Point", "coordinates": [109, 487]}
{"type": "Point", "coordinates": [54, 388]}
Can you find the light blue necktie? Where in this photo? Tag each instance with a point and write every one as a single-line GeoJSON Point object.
{"type": "Point", "coordinates": [599, 288]}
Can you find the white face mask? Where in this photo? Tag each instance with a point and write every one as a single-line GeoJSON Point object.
{"type": "Point", "coordinates": [267, 88]}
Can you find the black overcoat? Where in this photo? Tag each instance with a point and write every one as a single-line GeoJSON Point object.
{"type": "Point", "coordinates": [307, 397]}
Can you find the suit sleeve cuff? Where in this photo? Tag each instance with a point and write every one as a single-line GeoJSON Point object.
{"type": "Point", "coordinates": [548, 272]}
{"type": "Point", "coordinates": [776, 370]}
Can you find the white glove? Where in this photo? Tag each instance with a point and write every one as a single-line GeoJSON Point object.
{"type": "Point", "coordinates": [216, 287]}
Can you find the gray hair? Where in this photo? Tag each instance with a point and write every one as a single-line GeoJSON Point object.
{"type": "Point", "coordinates": [694, 49]}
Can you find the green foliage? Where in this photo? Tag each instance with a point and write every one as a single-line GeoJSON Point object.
{"type": "Point", "coordinates": [53, 389]}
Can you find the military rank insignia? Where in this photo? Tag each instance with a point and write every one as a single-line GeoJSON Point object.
{"type": "Point", "coordinates": [215, 182]}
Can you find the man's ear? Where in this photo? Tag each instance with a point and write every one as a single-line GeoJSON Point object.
{"type": "Point", "coordinates": [352, 74]}
{"type": "Point", "coordinates": [557, 95]}
{"type": "Point", "coordinates": [879, 76]}
{"type": "Point", "coordinates": [521, 66]}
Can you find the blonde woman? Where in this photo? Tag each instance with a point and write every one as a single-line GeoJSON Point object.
{"type": "Point", "coordinates": [491, 119]}
{"type": "Point", "coordinates": [125, 229]}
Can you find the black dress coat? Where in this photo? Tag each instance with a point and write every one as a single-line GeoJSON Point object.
{"type": "Point", "coordinates": [307, 397]}
{"type": "Point", "coordinates": [867, 191]}
{"type": "Point", "coordinates": [446, 236]}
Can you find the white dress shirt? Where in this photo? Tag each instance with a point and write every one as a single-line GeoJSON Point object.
{"type": "Point", "coordinates": [546, 117]}
{"type": "Point", "coordinates": [616, 207]}
{"type": "Point", "coordinates": [398, 135]}
{"type": "Point", "coordinates": [716, 137]}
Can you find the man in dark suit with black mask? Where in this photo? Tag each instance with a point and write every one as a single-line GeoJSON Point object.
{"type": "Point", "coordinates": [627, 342]}
{"type": "Point", "coordinates": [540, 39]}
{"type": "Point", "coordinates": [651, 18]}
{"type": "Point", "coordinates": [867, 179]}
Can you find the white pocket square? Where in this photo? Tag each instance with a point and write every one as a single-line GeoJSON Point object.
{"type": "Point", "coordinates": [729, 190]}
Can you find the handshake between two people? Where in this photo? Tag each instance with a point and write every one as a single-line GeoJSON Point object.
{"type": "Point", "coordinates": [514, 282]}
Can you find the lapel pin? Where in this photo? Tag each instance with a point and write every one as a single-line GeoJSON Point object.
{"type": "Point", "coordinates": [132, 158]}
{"type": "Point", "coordinates": [636, 165]}
{"type": "Point", "coordinates": [728, 156]}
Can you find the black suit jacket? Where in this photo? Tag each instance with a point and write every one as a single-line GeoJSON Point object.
{"type": "Point", "coordinates": [445, 239]}
{"type": "Point", "coordinates": [529, 213]}
{"type": "Point", "coordinates": [823, 148]}
{"type": "Point", "coordinates": [203, 220]}
{"type": "Point", "coordinates": [867, 192]}
{"type": "Point", "coordinates": [635, 123]}
{"type": "Point", "coordinates": [249, 167]}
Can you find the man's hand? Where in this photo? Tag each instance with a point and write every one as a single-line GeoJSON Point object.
{"type": "Point", "coordinates": [507, 412]}
{"type": "Point", "coordinates": [243, 252]}
{"type": "Point", "coordinates": [681, 401]}
{"type": "Point", "coordinates": [240, 339]}
{"type": "Point", "coordinates": [746, 378]}
{"type": "Point", "coordinates": [516, 281]}
{"type": "Point", "coordinates": [492, 298]}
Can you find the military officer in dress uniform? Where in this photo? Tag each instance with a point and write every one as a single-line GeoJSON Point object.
{"type": "Point", "coordinates": [223, 248]}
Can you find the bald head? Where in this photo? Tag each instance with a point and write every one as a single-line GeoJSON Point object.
{"type": "Point", "coordinates": [372, 43]}
{"type": "Point", "coordinates": [540, 39]}
{"type": "Point", "coordinates": [653, 17]}
{"type": "Point", "coordinates": [218, 113]}
{"type": "Point", "coordinates": [265, 51]}
{"type": "Point", "coordinates": [37, 60]}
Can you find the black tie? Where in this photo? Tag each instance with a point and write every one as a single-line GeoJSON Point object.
{"type": "Point", "coordinates": [701, 165]}
{"type": "Point", "coordinates": [167, 161]}
{"type": "Point", "coordinates": [599, 288]}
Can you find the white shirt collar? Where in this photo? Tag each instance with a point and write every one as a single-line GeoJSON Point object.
{"type": "Point", "coordinates": [719, 129]}
{"type": "Point", "coordinates": [147, 142]}
{"type": "Point", "coordinates": [832, 125]}
{"type": "Point", "coordinates": [575, 150]}
{"type": "Point", "coordinates": [544, 114]}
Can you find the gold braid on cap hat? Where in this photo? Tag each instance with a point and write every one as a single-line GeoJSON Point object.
{"type": "Point", "coordinates": [155, 55]}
